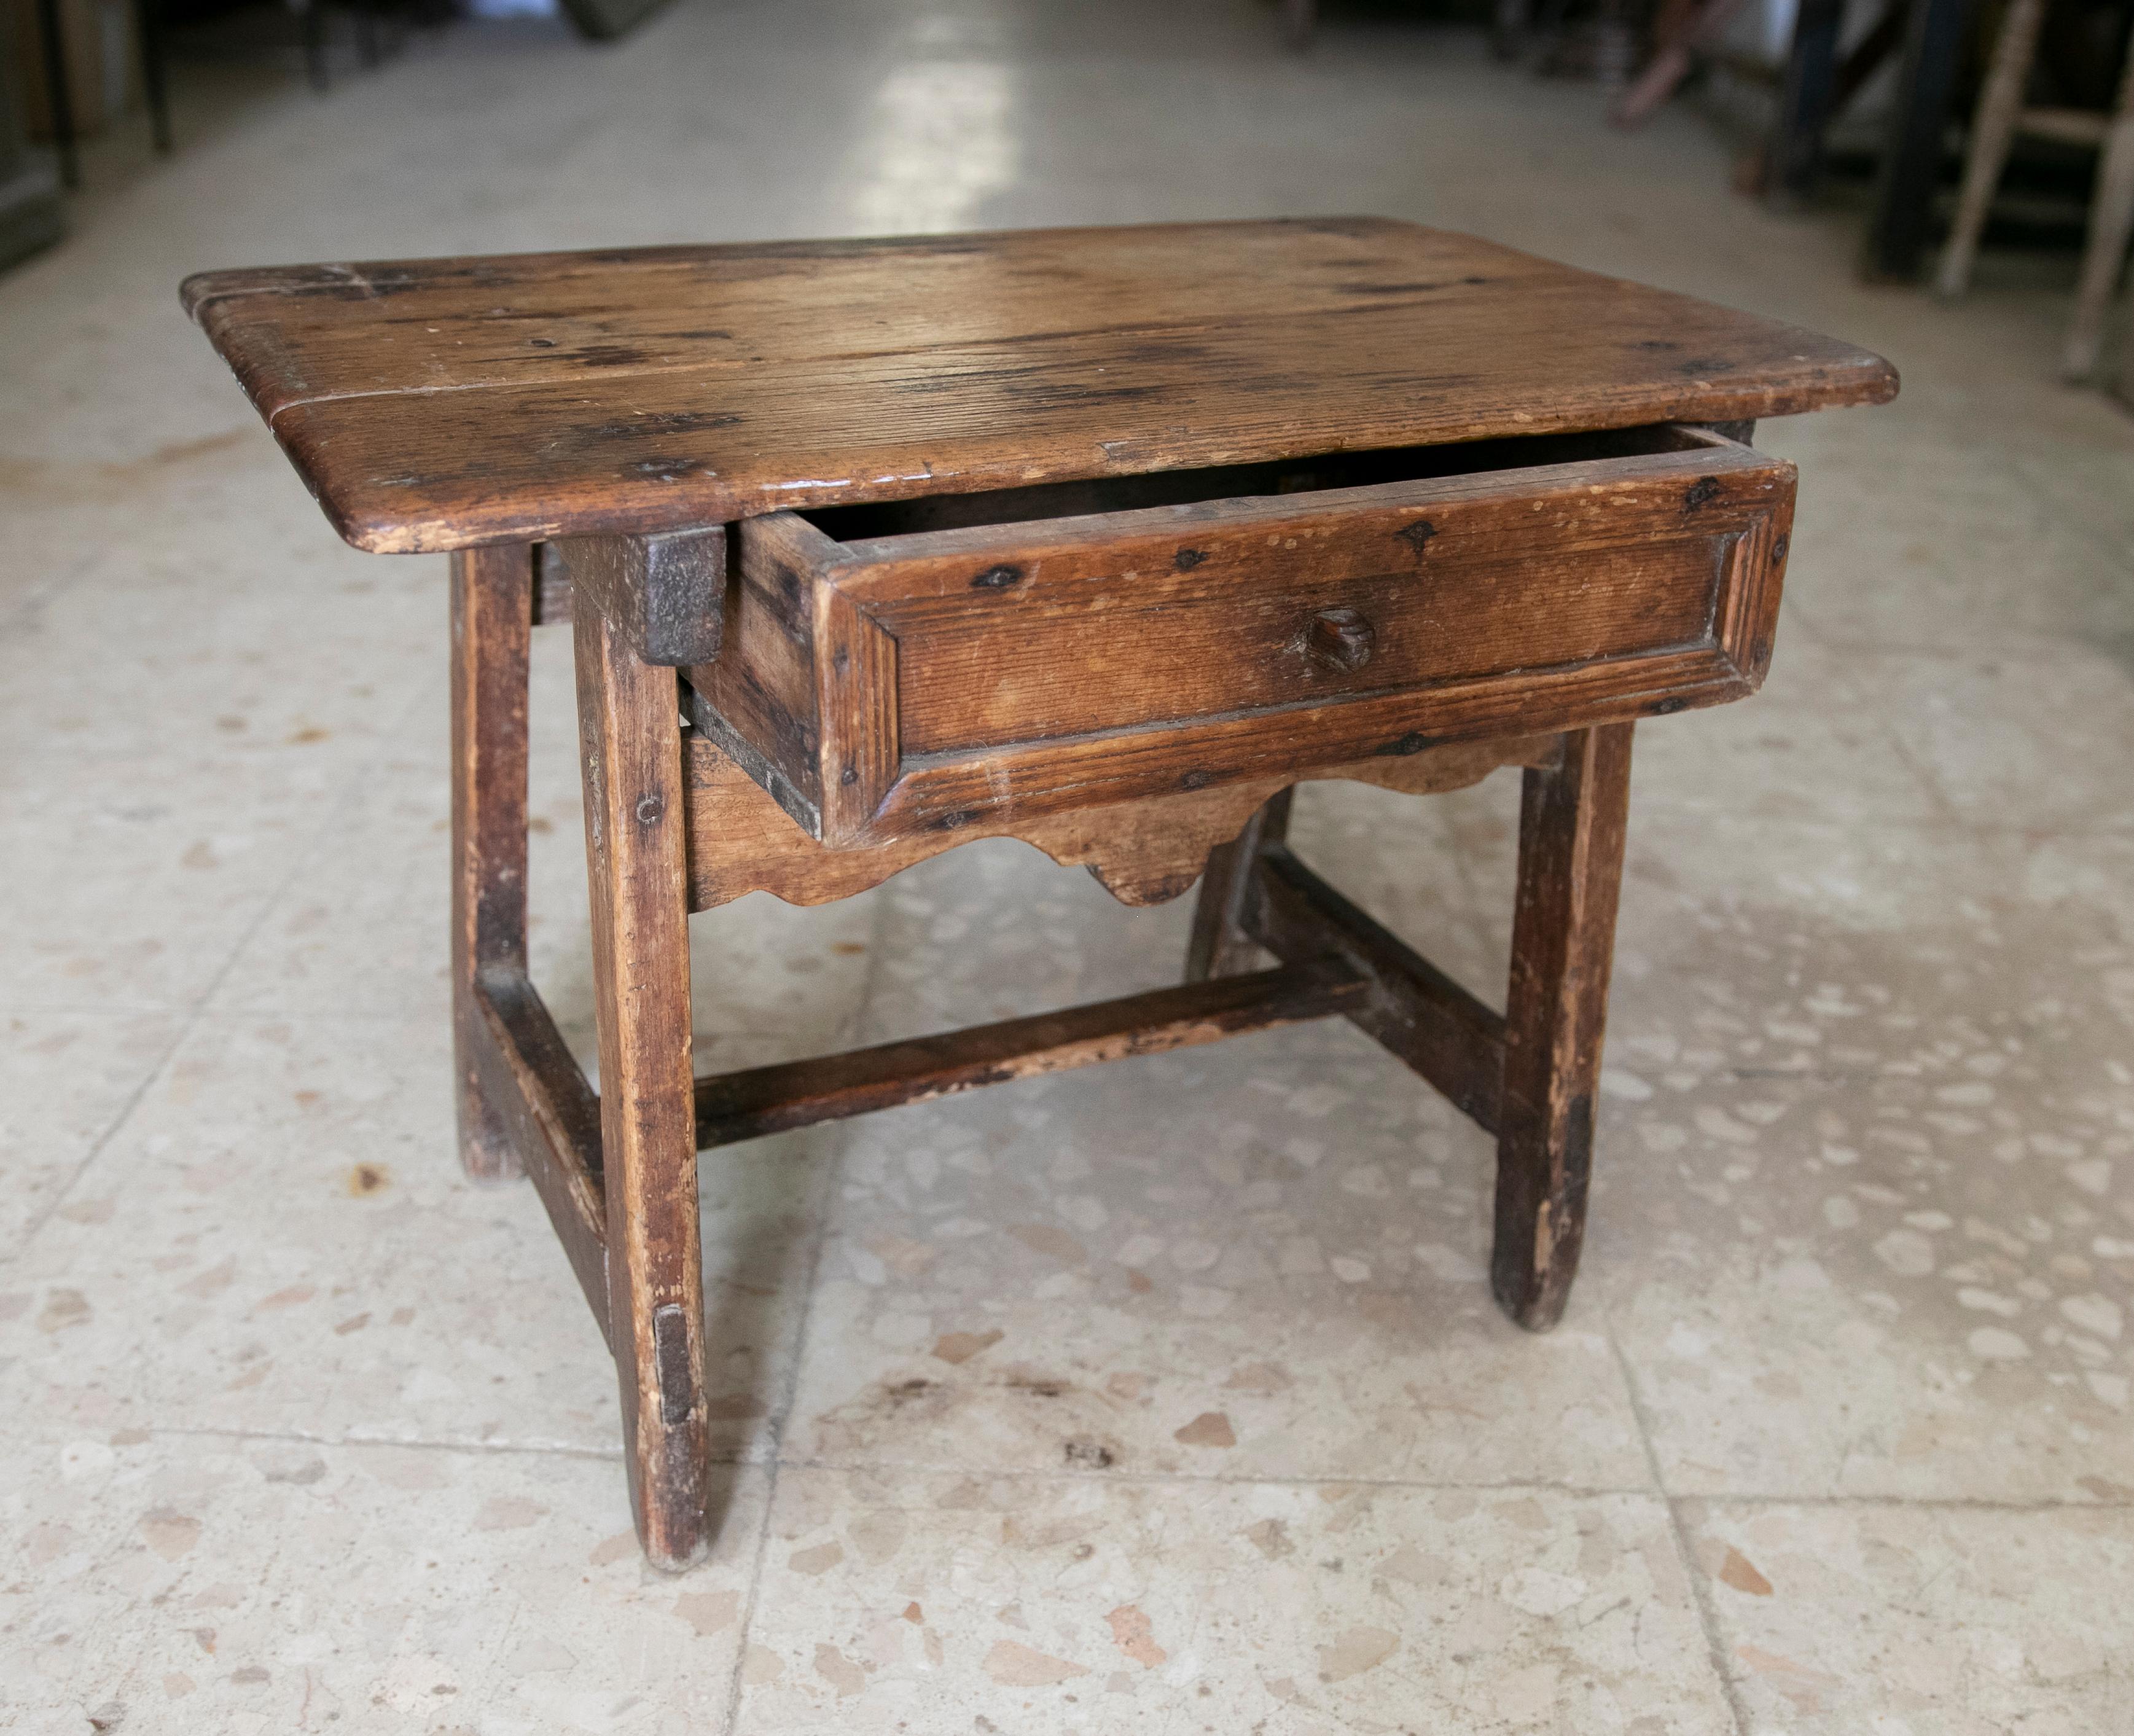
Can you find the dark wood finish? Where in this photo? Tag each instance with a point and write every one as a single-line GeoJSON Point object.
{"type": "Point", "coordinates": [674, 387]}
{"type": "Point", "coordinates": [1807, 100]}
{"type": "Point", "coordinates": [1100, 539]}
{"type": "Point", "coordinates": [1571, 821]}
{"type": "Point", "coordinates": [553, 1118]}
{"type": "Point", "coordinates": [896, 685]}
{"type": "Point", "coordinates": [1219, 946]}
{"type": "Point", "coordinates": [629, 740]}
{"type": "Point", "coordinates": [552, 587]}
{"type": "Point", "coordinates": [740, 1106]}
{"type": "Point", "coordinates": [668, 592]}
{"type": "Point", "coordinates": [59, 89]}
{"type": "Point", "coordinates": [1141, 852]}
{"type": "Point", "coordinates": [1786, 168]}
{"type": "Point", "coordinates": [491, 615]}
{"type": "Point", "coordinates": [1416, 1010]}
{"type": "Point", "coordinates": [1903, 220]}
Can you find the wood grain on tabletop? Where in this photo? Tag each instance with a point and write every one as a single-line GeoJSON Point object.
{"type": "Point", "coordinates": [445, 403]}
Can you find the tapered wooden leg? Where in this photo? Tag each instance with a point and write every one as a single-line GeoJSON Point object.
{"type": "Point", "coordinates": [492, 619]}
{"type": "Point", "coordinates": [1993, 130]}
{"type": "Point", "coordinates": [1220, 947]}
{"type": "Point", "coordinates": [1572, 822]}
{"type": "Point", "coordinates": [2111, 222]}
{"type": "Point", "coordinates": [631, 748]}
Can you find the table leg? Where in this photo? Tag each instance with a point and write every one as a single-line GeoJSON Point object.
{"type": "Point", "coordinates": [1220, 947]}
{"type": "Point", "coordinates": [1912, 158]}
{"type": "Point", "coordinates": [1806, 98]}
{"type": "Point", "coordinates": [1571, 818]}
{"type": "Point", "coordinates": [492, 619]}
{"type": "Point", "coordinates": [629, 746]}
{"type": "Point", "coordinates": [148, 28]}
{"type": "Point", "coordinates": [59, 93]}
{"type": "Point", "coordinates": [2111, 220]}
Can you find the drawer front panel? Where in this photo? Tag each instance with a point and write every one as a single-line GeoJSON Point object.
{"type": "Point", "coordinates": [1241, 631]}
{"type": "Point", "coordinates": [1038, 665]}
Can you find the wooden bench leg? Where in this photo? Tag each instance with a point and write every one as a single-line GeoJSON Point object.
{"type": "Point", "coordinates": [1572, 819]}
{"type": "Point", "coordinates": [1220, 947]}
{"type": "Point", "coordinates": [630, 745]}
{"type": "Point", "coordinates": [2111, 222]}
{"type": "Point", "coordinates": [492, 620]}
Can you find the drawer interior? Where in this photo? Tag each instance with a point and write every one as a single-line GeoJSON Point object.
{"type": "Point", "coordinates": [1242, 481]}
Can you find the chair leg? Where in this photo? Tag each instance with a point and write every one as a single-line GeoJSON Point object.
{"type": "Point", "coordinates": [492, 620]}
{"type": "Point", "coordinates": [1220, 947]}
{"type": "Point", "coordinates": [148, 27]}
{"type": "Point", "coordinates": [1572, 819]}
{"type": "Point", "coordinates": [629, 746]}
{"type": "Point", "coordinates": [1993, 131]}
{"type": "Point", "coordinates": [315, 43]}
{"type": "Point", "coordinates": [59, 90]}
{"type": "Point", "coordinates": [2111, 221]}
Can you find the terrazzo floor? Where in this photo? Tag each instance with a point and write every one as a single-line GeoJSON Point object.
{"type": "Point", "coordinates": [1168, 1397]}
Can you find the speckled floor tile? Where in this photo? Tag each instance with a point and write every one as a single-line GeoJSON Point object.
{"type": "Point", "coordinates": [1813, 744]}
{"type": "Point", "coordinates": [363, 928]}
{"type": "Point", "coordinates": [1923, 1620]}
{"type": "Point", "coordinates": [129, 891]}
{"type": "Point", "coordinates": [163, 1582]}
{"type": "Point", "coordinates": [2027, 741]}
{"type": "Point", "coordinates": [279, 1239]}
{"type": "Point", "coordinates": [1998, 544]}
{"type": "Point", "coordinates": [65, 1080]}
{"type": "Point", "coordinates": [1263, 1258]}
{"type": "Point", "coordinates": [1861, 1223]}
{"type": "Point", "coordinates": [894, 1601]}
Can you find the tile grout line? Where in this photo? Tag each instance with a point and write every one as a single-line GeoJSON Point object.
{"type": "Point", "coordinates": [190, 1016]}
{"type": "Point", "coordinates": [846, 1029]}
{"type": "Point", "coordinates": [1707, 1617]}
{"type": "Point", "coordinates": [742, 1460]}
{"type": "Point", "coordinates": [298, 1436]}
{"type": "Point", "coordinates": [154, 1072]}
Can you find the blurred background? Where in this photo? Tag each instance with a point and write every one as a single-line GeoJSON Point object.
{"type": "Point", "coordinates": [295, 1425]}
{"type": "Point", "coordinates": [1931, 124]}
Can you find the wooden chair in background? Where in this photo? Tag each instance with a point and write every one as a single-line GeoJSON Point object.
{"type": "Point", "coordinates": [2001, 115]}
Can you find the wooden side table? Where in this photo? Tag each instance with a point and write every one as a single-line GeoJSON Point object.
{"type": "Point", "coordinates": [1101, 538]}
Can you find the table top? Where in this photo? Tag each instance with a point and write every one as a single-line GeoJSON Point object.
{"type": "Point", "coordinates": [445, 403]}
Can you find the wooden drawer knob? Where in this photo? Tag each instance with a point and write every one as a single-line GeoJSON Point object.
{"type": "Point", "coordinates": [1339, 638]}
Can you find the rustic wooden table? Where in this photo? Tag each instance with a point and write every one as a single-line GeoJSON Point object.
{"type": "Point", "coordinates": [1102, 538]}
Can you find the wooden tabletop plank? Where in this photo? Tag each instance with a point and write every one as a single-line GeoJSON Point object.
{"type": "Point", "coordinates": [446, 403]}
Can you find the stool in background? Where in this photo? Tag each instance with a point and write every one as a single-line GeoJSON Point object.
{"type": "Point", "coordinates": [2001, 117]}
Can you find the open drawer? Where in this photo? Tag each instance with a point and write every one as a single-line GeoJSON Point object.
{"type": "Point", "coordinates": [888, 670]}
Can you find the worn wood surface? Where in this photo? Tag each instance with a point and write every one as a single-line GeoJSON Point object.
{"type": "Point", "coordinates": [897, 685]}
{"type": "Point", "coordinates": [435, 404]}
{"type": "Point", "coordinates": [667, 592]}
{"type": "Point", "coordinates": [1120, 621]}
{"type": "Point", "coordinates": [1143, 852]}
{"type": "Point", "coordinates": [1219, 945]}
{"type": "Point", "coordinates": [1415, 1009]}
{"type": "Point", "coordinates": [551, 1118]}
{"type": "Point", "coordinates": [492, 597]}
{"type": "Point", "coordinates": [762, 1099]}
{"type": "Point", "coordinates": [1572, 822]}
{"type": "Point", "coordinates": [629, 747]}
